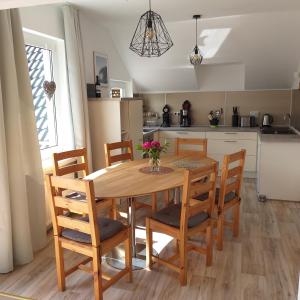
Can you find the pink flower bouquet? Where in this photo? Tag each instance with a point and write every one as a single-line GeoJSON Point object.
{"type": "Point", "coordinates": [153, 149]}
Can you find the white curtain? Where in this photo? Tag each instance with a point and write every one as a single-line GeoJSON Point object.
{"type": "Point", "coordinates": [77, 82]}
{"type": "Point", "coordinates": [22, 197]}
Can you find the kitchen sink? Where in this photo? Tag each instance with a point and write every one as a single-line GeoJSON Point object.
{"type": "Point", "coordinates": [277, 130]}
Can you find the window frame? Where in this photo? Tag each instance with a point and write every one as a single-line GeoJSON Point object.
{"type": "Point", "coordinates": [64, 123]}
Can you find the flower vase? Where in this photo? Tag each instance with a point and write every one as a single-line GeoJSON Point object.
{"type": "Point", "coordinates": [154, 164]}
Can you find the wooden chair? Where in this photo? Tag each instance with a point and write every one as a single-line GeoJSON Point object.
{"type": "Point", "coordinates": [120, 157]}
{"type": "Point", "coordinates": [77, 166]}
{"type": "Point", "coordinates": [228, 196]}
{"type": "Point", "coordinates": [125, 156]}
{"type": "Point", "coordinates": [90, 236]}
{"type": "Point", "coordinates": [181, 150]}
{"type": "Point", "coordinates": [186, 220]}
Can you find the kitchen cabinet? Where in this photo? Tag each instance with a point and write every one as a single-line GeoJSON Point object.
{"type": "Point", "coordinates": [278, 164]}
{"type": "Point", "coordinates": [222, 143]}
{"type": "Point", "coordinates": [113, 120]}
{"type": "Point", "coordinates": [171, 136]}
{"type": "Point", "coordinates": [219, 144]}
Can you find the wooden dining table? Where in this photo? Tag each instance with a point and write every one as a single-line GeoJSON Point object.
{"type": "Point", "coordinates": [127, 181]}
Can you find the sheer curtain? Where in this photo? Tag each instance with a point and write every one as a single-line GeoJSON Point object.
{"type": "Point", "coordinates": [77, 82]}
{"type": "Point", "coordinates": [22, 200]}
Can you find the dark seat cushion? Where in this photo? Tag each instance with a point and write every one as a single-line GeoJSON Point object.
{"type": "Point", "coordinates": [80, 196]}
{"type": "Point", "coordinates": [107, 227]}
{"type": "Point", "coordinates": [170, 215]}
{"type": "Point", "coordinates": [228, 197]}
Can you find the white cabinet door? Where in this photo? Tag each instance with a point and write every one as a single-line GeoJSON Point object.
{"type": "Point", "coordinates": [231, 135]}
{"type": "Point", "coordinates": [231, 146]}
{"type": "Point", "coordinates": [182, 134]}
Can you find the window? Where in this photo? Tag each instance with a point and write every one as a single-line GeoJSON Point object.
{"type": "Point", "coordinates": [46, 61]}
{"type": "Point", "coordinates": [40, 66]}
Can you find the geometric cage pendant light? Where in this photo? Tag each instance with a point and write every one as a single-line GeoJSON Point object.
{"type": "Point", "coordinates": [151, 38]}
{"type": "Point", "coordinates": [196, 57]}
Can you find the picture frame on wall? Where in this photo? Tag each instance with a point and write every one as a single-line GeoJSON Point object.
{"type": "Point", "coordinates": [101, 68]}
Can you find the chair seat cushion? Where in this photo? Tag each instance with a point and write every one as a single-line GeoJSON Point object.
{"type": "Point", "coordinates": [80, 196]}
{"type": "Point", "coordinates": [228, 197]}
{"type": "Point", "coordinates": [107, 227]}
{"type": "Point", "coordinates": [170, 215]}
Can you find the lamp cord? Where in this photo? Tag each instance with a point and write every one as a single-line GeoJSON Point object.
{"type": "Point", "coordinates": [150, 5]}
{"type": "Point", "coordinates": [196, 31]}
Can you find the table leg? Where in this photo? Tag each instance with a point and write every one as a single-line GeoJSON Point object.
{"type": "Point", "coordinates": [131, 213]}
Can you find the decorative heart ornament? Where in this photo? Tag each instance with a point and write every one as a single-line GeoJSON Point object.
{"type": "Point", "coordinates": [49, 88]}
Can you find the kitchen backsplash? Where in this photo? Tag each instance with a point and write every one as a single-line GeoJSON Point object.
{"type": "Point", "coordinates": [274, 102]}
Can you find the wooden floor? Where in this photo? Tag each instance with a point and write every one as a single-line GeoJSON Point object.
{"type": "Point", "coordinates": [263, 263]}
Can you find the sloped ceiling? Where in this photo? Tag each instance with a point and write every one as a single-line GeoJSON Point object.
{"type": "Point", "coordinates": [247, 44]}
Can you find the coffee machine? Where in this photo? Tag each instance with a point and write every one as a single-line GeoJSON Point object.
{"type": "Point", "coordinates": [185, 114]}
{"type": "Point", "coordinates": [166, 116]}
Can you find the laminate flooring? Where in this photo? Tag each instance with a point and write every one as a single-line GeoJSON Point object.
{"type": "Point", "coordinates": [262, 263]}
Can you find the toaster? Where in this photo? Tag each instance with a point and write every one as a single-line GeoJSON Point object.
{"type": "Point", "coordinates": [245, 121]}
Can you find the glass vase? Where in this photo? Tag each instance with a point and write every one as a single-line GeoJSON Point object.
{"type": "Point", "coordinates": [154, 164]}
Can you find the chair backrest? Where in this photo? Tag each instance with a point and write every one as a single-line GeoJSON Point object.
{"type": "Point", "coordinates": [183, 147]}
{"type": "Point", "coordinates": [59, 204]}
{"type": "Point", "coordinates": [232, 175]}
{"type": "Point", "coordinates": [78, 162]}
{"type": "Point", "coordinates": [200, 181]}
{"type": "Point", "coordinates": [123, 156]}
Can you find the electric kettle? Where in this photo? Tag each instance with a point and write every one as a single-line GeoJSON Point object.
{"type": "Point", "coordinates": [267, 120]}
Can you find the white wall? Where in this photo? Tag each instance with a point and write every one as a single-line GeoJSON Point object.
{"type": "Point", "coordinates": [96, 38]}
{"type": "Point", "coordinates": [48, 19]}
{"type": "Point", "coordinates": [45, 19]}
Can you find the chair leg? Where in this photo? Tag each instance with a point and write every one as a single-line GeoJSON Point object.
{"type": "Point", "coordinates": [209, 245]}
{"type": "Point", "coordinates": [128, 255]}
{"type": "Point", "coordinates": [236, 220]}
{"type": "Point", "coordinates": [220, 231]}
{"type": "Point", "coordinates": [183, 262]}
{"type": "Point", "coordinates": [60, 269]}
{"type": "Point", "coordinates": [97, 274]}
{"type": "Point", "coordinates": [149, 245]}
{"type": "Point", "coordinates": [113, 211]}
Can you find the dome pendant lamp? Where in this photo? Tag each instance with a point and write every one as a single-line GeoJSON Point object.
{"type": "Point", "coordinates": [196, 57]}
{"type": "Point", "coordinates": [151, 38]}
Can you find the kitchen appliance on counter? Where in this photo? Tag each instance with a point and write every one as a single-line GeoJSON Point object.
{"type": "Point", "coordinates": [245, 121]}
{"type": "Point", "coordinates": [235, 117]}
{"type": "Point", "coordinates": [151, 119]}
{"type": "Point", "coordinates": [185, 114]}
{"type": "Point", "coordinates": [166, 116]}
{"type": "Point", "coordinates": [254, 118]}
{"type": "Point", "coordinates": [267, 120]}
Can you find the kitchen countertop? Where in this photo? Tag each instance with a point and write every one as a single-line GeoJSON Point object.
{"type": "Point", "coordinates": [203, 128]}
{"type": "Point", "coordinates": [279, 138]}
{"type": "Point", "coordinates": [272, 138]}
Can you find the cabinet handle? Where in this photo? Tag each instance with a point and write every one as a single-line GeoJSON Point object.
{"type": "Point", "coordinates": [182, 132]}
{"type": "Point", "coordinates": [230, 133]}
{"type": "Point", "coordinates": [230, 141]}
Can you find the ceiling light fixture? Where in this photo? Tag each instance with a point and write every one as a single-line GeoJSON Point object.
{"type": "Point", "coordinates": [151, 38]}
{"type": "Point", "coordinates": [196, 57]}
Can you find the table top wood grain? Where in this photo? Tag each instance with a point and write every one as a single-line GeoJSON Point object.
{"type": "Point", "coordinates": [125, 179]}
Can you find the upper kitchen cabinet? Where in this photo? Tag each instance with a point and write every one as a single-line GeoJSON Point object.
{"type": "Point", "coordinates": [114, 120]}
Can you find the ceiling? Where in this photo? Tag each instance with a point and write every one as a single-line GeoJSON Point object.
{"type": "Point", "coordinates": [247, 44]}
{"type": "Point", "coordinates": [181, 10]}
{"type": "Point", "coordinates": [252, 43]}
